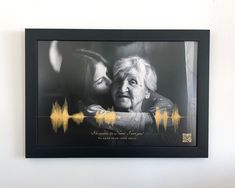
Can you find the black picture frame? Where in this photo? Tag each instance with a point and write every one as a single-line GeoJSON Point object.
{"type": "Point", "coordinates": [32, 36]}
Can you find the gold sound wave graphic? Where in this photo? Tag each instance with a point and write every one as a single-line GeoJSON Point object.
{"type": "Point", "coordinates": [162, 117]}
{"type": "Point", "coordinates": [165, 119]}
{"type": "Point", "coordinates": [60, 116]}
{"type": "Point", "coordinates": [176, 118]}
{"type": "Point", "coordinates": [109, 117]}
{"type": "Point", "coordinates": [78, 117]}
{"type": "Point", "coordinates": [99, 116]}
{"type": "Point", "coordinates": [158, 118]}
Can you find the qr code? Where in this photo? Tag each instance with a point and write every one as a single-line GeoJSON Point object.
{"type": "Point", "coordinates": [186, 137]}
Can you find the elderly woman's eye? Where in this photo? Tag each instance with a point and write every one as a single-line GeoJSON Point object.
{"type": "Point", "coordinates": [133, 82]}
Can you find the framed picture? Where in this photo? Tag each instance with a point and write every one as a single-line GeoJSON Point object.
{"type": "Point", "coordinates": [116, 93]}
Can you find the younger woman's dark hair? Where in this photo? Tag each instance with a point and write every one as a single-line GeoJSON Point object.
{"type": "Point", "coordinates": [77, 72]}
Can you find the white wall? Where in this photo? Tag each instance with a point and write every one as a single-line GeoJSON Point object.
{"type": "Point", "coordinates": [216, 171]}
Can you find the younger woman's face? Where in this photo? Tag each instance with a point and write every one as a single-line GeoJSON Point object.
{"type": "Point", "coordinates": [101, 81]}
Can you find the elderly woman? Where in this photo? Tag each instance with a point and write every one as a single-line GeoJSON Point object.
{"type": "Point", "coordinates": [135, 85]}
{"type": "Point", "coordinates": [134, 90]}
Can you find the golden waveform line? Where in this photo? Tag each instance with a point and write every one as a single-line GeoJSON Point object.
{"type": "Point", "coordinates": [158, 118]}
{"type": "Point", "coordinates": [60, 116]}
{"type": "Point", "coordinates": [162, 117]}
{"type": "Point", "coordinates": [99, 117]}
{"type": "Point", "coordinates": [176, 118]}
{"type": "Point", "coordinates": [165, 119]}
{"type": "Point", "coordinates": [109, 117]}
{"type": "Point", "coordinates": [78, 117]}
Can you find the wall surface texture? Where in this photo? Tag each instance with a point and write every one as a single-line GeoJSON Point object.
{"type": "Point", "coordinates": [218, 171]}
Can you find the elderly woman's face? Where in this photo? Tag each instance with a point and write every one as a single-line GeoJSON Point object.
{"type": "Point", "coordinates": [129, 90]}
{"type": "Point", "coordinates": [101, 81]}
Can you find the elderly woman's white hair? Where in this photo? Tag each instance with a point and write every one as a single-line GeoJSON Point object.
{"type": "Point", "coordinates": [124, 65]}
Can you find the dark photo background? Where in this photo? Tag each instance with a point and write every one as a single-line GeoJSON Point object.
{"type": "Point", "coordinates": [168, 58]}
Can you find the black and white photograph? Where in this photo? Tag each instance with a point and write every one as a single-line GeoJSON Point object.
{"type": "Point", "coordinates": [117, 93]}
